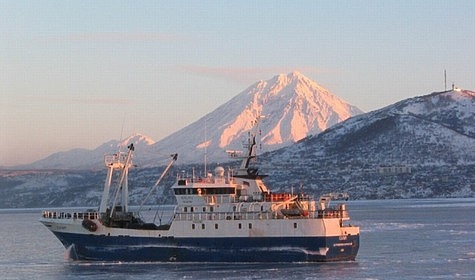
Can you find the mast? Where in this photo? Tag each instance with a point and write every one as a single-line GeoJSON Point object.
{"type": "Point", "coordinates": [112, 162]}
{"type": "Point", "coordinates": [206, 149]}
{"type": "Point", "coordinates": [118, 162]}
{"type": "Point", "coordinates": [445, 79]}
{"type": "Point", "coordinates": [251, 151]}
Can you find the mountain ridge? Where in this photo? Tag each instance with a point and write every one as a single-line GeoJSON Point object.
{"type": "Point", "coordinates": [421, 147]}
{"type": "Point", "coordinates": [80, 158]}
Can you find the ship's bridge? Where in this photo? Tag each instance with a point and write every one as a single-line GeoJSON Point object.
{"type": "Point", "coordinates": [219, 188]}
{"type": "Point", "coordinates": [212, 189]}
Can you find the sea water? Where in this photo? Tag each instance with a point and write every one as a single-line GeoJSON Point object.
{"type": "Point", "coordinates": [400, 239]}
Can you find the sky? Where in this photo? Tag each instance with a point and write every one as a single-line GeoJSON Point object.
{"type": "Point", "coordinates": [76, 74]}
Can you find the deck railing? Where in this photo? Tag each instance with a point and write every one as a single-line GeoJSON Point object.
{"type": "Point", "coordinates": [205, 216]}
{"type": "Point", "coordinates": [69, 215]}
{"type": "Point", "coordinates": [320, 214]}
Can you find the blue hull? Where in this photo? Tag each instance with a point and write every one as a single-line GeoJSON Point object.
{"type": "Point", "coordinates": [249, 249]}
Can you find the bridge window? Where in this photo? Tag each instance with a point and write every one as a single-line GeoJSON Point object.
{"type": "Point", "coordinates": [204, 191]}
{"type": "Point", "coordinates": [183, 191]}
{"type": "Point", "coordinates": [212, 191]}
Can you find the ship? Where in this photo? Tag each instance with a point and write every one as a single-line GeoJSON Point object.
{"type": "Point", "coordinates": [225, 216]}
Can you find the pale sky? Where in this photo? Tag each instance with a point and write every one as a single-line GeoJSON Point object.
{"type": "Point", "coordinates": [75, 74]}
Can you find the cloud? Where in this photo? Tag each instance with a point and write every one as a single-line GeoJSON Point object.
{"type": "Point", "coordinates": [119, 37]}
{"type": "Point", "coordinates": [86, 100]}
{"type": "Point", "coordinates": [101, 101]}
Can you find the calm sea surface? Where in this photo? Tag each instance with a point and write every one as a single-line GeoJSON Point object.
{"type": "Point", "coordinates": [400, 239]}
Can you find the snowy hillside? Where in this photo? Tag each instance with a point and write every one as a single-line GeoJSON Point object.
{"type": "Point", "coordinates": [423, 146]}
{"type": "Point", "coordinates": [431, 129]}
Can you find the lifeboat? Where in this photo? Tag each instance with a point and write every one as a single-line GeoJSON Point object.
{"type": "Point", "coordinates": [89, 225]}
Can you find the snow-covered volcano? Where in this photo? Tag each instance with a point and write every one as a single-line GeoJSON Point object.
{"type": "Point", "coordinates": [292, 106]}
